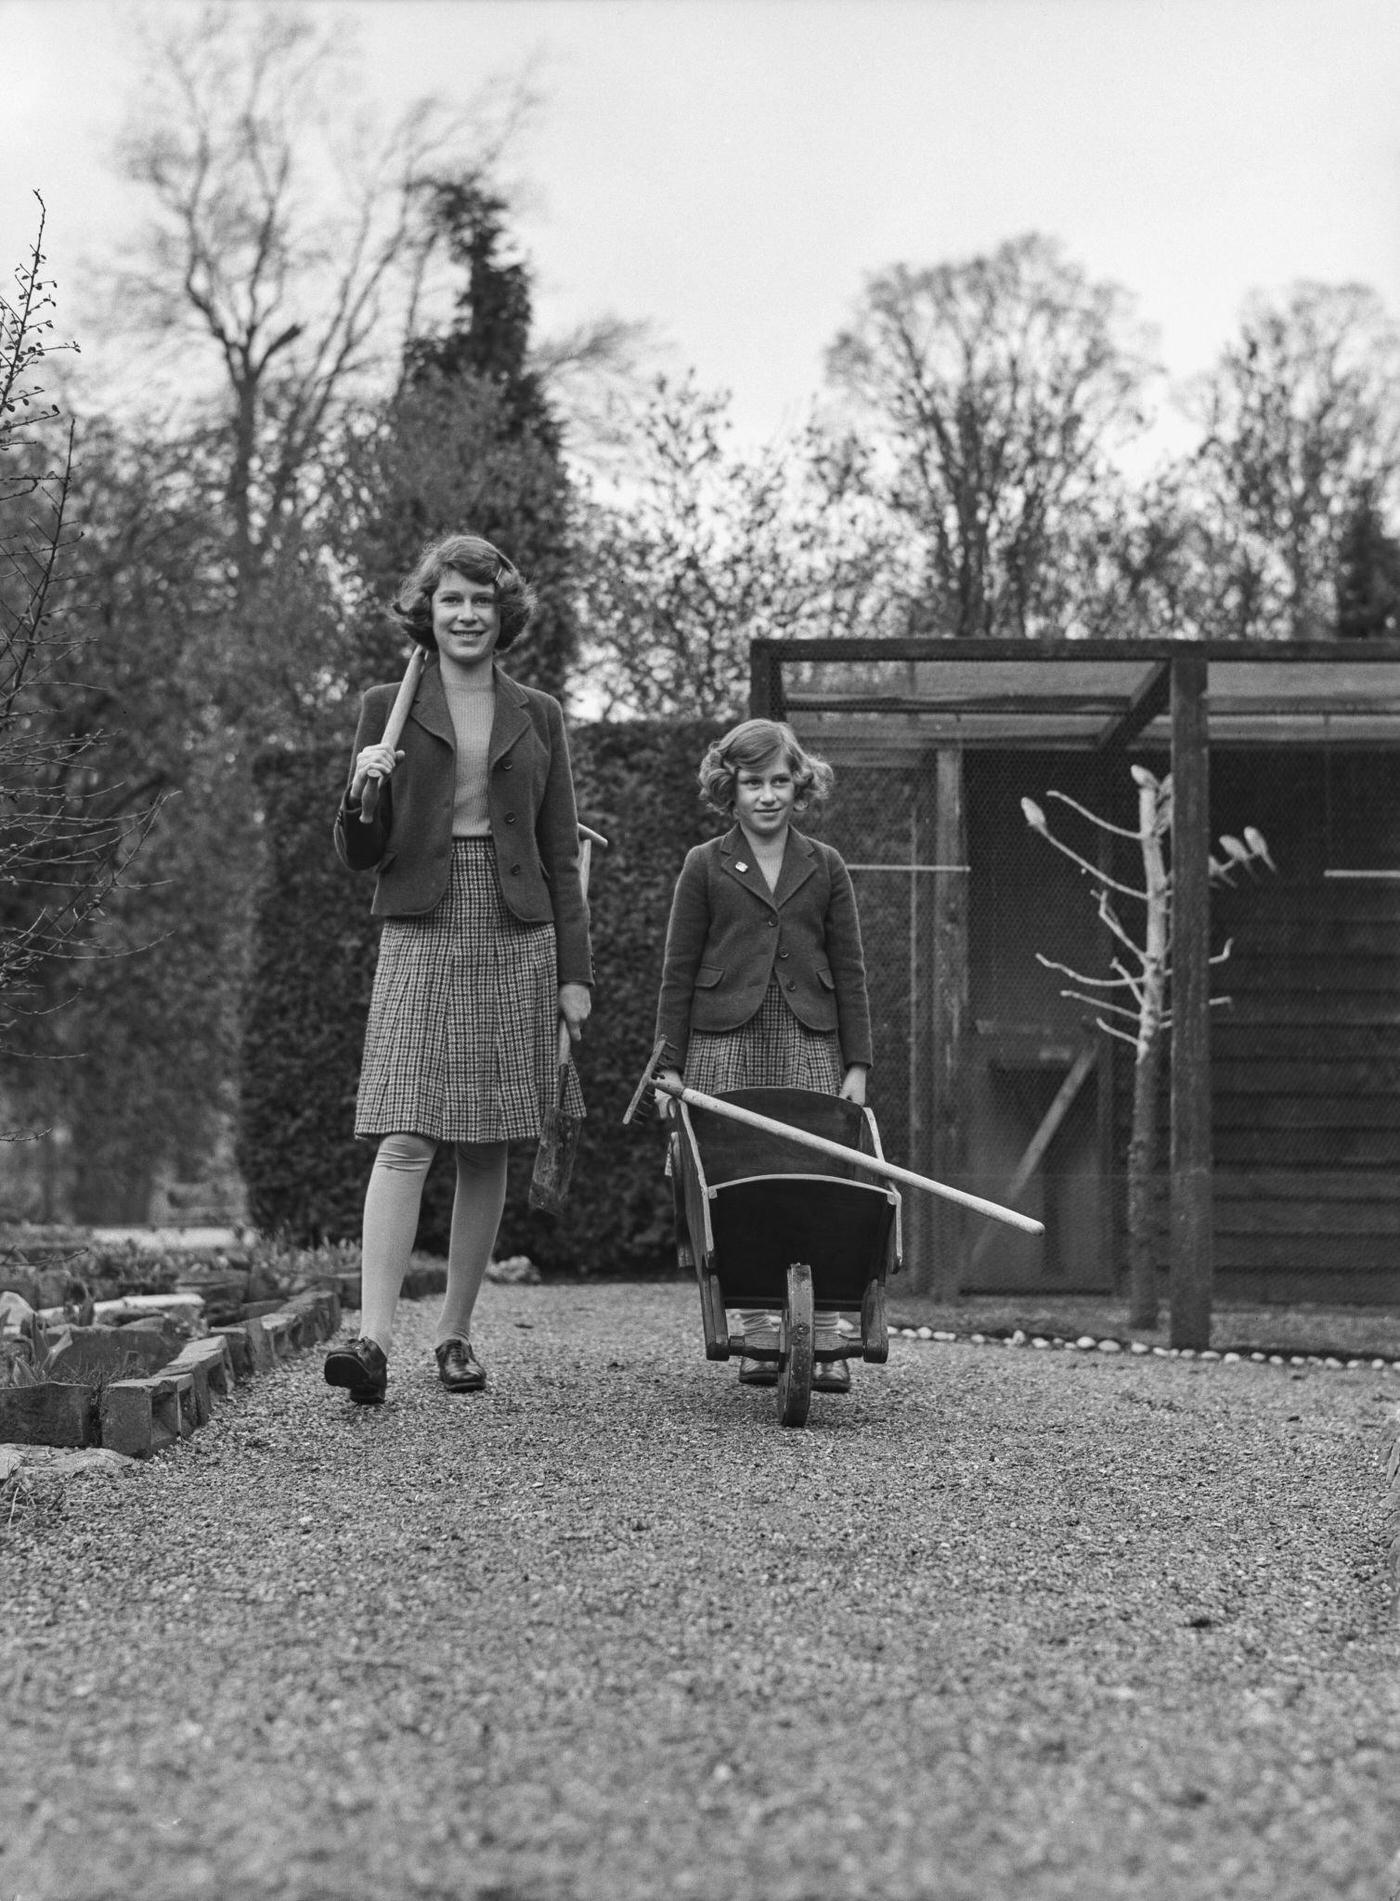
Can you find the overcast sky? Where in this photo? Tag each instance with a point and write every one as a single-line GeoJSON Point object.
{"type": "Point", "coordinates": [732, 169]}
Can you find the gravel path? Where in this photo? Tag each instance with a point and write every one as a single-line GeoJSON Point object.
{"type": "Point", "coordinates": [1001, 1624]}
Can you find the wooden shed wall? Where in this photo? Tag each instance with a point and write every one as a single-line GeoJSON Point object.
{"type": "Point", "coordinates": [1306, 1055]}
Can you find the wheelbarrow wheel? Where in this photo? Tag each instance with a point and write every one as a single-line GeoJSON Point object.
{"type": "Point", "coordinates": [795, 1346]}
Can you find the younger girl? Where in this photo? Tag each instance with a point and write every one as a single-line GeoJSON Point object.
{"type": "Point", "coordinates": [763, 984]}
{"type": "Point", "coordinates": [474, 842]}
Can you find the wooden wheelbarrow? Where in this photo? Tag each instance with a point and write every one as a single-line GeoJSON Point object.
{"type": "Point", "coordinates": [774, 1211]}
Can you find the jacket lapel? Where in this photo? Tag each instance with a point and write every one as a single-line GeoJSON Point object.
{"type": "Point", "coordinates": [738, 860]}
{"type": "Point", "coordinates": [429, 709]}
{"type": "Point", "coordinates": [799, 862]}
{"type": "Point", "coordinates": [510, 718]}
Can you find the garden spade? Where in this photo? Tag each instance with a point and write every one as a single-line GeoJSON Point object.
{"type": "Point", "coordinates": [554, 1159]}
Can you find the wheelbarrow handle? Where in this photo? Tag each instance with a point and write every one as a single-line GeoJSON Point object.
{"type": "Point", "coordinates": [872, 1164]}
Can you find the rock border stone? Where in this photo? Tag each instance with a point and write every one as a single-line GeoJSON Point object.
{"type": "Point", "coordinates": [137, 1418]}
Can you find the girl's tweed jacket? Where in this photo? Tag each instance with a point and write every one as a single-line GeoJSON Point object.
{"type": "Point", "coordinates": [729, 934]}
{"type": "Point", "coordinates": [530, 799]}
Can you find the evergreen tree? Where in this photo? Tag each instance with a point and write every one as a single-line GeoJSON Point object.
{"type": "Point", "coordinates": [1368, 580]}
{"type": "Point", "coordinates": [468, 443]}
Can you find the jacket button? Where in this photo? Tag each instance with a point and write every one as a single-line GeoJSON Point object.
{"type": "Point", "coordinates": [791, 982]}
{"type": "Point", "coordinates": [515, 871]}
{"type": "Point", "coordinates": [506, 764]}
{"type": "Point", "coordinates": [784, 953]}
{"type": "Point", "coordinates": [510, 818]}
{"type": "Point", "coordinates": [772, 924]}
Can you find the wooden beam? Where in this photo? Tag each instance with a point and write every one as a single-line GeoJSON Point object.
{"type": "Point", "coordinates": [919, 1237]}
{"type": "Point", "coordinates": [935, 647]}
{"type": "Point", "coordinates": [765, 681]}
{"type": "Point", "coordinates": [1192, 1257]}
{"type": "Point", "coordinates": [951, 1018]}
{"type": "Point", "coordinates": [1152, 697]}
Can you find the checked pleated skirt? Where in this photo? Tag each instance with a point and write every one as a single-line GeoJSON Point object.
{"type": "Point", "coordinates": [461, 1043]}
{"type": "Point", "coordinates": [773, 1050]}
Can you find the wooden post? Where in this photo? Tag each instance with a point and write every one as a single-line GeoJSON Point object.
{"type": "Point", "coordinates": [948, 1227]}
{"type": "Point", "coordinates": [920, 1236]}
{"type": "Point", "coordinates": [1192, 1235]}
{"type": "Point", "coordinates": [766, 697]}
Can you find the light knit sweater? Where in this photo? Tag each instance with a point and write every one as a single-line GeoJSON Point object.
{"type": "Point", "coordinates": [472, 708]}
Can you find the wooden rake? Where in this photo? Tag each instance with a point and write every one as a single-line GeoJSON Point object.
{"type": "Point", "coordinates": [872, 1164]}
{"type": "Point", "coordinates": [554, 1158]}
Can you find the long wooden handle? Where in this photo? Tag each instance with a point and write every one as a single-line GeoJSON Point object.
{"type": "Point", "coordinates": [393, 730]}
{"type": "Point", "coordinates": [586, 837]}
{"type": "Point", "coordinates": [872, 1164]}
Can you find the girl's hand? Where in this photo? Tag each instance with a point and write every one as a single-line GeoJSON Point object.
{"type": "Point", "coordinates": [575, 1002]}
{"type": "Point", "coordinates": [375, 762]}
{"type": "Point", "coordinates": [666, 1105]}
{"type": "Point", "coordinates": [853, 1086]}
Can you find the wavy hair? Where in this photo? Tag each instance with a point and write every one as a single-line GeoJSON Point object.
{"type": "Point", "coordinates": [746, 747]}
{"type": "Point", "coordinates": [477, 560]}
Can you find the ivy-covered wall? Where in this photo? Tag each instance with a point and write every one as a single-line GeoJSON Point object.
{"type": "Point", "coordinates": [314, 965]}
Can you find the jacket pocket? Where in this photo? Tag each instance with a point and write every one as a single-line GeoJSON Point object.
{"type": "Point", "coordinates": [708, 975]}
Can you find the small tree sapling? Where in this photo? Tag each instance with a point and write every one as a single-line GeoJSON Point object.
{"type": "Point", "coordinates": [1132, 1003]}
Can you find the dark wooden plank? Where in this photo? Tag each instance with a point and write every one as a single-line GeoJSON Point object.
{"type": "Point", "coordinates": [952, 1018]}
{"type": "Point", "coordinates": [1150, 699]}
{"type": "Point", "coordinates": [1377, 1078]}
{"type": "Point", "coordinates": [922, 1235]}
{"type": "Point", "coordinates": [1306, 1112]}
{"type": "Point", "coordinates": [1313, 932]}
{"type": "Point", "coordinates": [1320, 1148]}
{"type": "Point", "coordinates": [1307, 1184]}
{"type": "Point", "coordinates": [1292, 1252]}
{"type": "Point", "coordinates": [1373, 1217]}
{"type": "Point", "coordinates": [1191, 1253]}
{"type": "Point", "coordinates": [1284, 1008]}
{"type": "Point", "coordinates": [1354, 976]}
{"type": "Point", "coordinates": [1330, 1287]}
{"type": "Point", "coordinates": [1234, 1041]}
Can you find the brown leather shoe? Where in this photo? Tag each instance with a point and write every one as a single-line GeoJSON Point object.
{"type": "Point", "coordinates": [362, 1367]}
{"type": "Point", "coordinates": [458, 1367]}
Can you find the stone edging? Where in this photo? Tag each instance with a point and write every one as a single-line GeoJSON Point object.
{"type": "Point", "coordinates": [138, 1417]}
{"type": "Point", "coordinates": [1090, 1343]}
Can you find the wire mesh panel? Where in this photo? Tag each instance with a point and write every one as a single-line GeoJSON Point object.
{"type": "Point", "coordinates": [872, 821]}
{"type": "Point", "coordinates": [1027, 1105]}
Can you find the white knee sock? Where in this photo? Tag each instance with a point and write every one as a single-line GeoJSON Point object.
{"type": "Point", "coordinates": [392, 1204]}
{"type": "Point", "coordinates": [476, 1216]}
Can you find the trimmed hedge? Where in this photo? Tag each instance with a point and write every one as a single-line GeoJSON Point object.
{"type": "Point", "coordinates": [314, 965]}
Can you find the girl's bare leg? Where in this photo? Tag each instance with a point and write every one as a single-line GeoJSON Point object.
{"type": "Point", "coordinates": [476, 1216]}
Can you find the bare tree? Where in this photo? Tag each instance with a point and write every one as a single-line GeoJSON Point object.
{"type": "Point", "coordinates": [706, 548]}
{"type": "Point", "coordinates": [996, 392]}
{"type": "Point", "coordinates": [1301, 423]}
{"type": "Point", "coordinates": [1132, 1001]}
{"type": "Point", "coordinates": [66, 831]}
{"type": "Point", "coordinates": [287, 243]}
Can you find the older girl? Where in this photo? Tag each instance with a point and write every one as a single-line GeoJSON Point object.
{"type": "Point", "coordinates": [485, 947]}
{"type": "Point", "coordinates": [763, 983]}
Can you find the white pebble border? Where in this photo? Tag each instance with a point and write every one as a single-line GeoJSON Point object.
{"type": "Point", "coordinates": [1088, 1343]}
{"type": "Point", "coordinates": [1390, 1452]}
